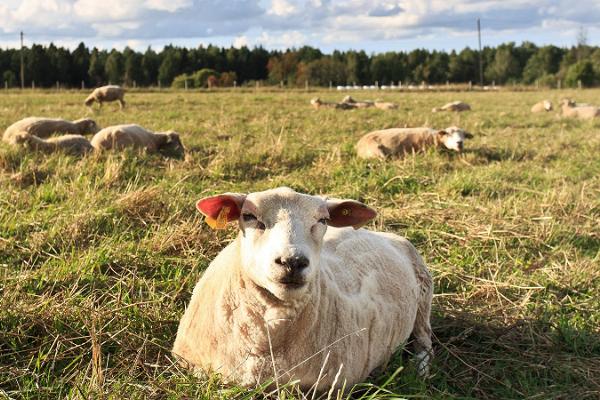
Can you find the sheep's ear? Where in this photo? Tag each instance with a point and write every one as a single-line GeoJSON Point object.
{"type": "Point", "coordinates": [221, 209]}
{"type": "Point", "coordinates": [468, 135]}
{"type": "Point", "coordinates": [349, 213]}
{"type": "Point", "coordinates": [442, 133]}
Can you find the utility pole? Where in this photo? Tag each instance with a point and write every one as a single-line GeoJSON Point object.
{"type": "Point", "coordinates": [480, 55]}
{"type": "Point", "coordinates": [22, 66]}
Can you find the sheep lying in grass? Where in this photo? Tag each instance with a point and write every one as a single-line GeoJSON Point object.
{"type": "Point", "coordinates": [300, 292]}
{"type": "Point", "coordinates": [134, 136]}
{"type": "Point", "coordinates": [542, 106]}
{"type": "Point", "coordinates": [70, 144]}
{"type": "Point", "coordinates": [357, 104]}
{"type": "Point", "coordinates": [106, 94]}
{"type": "Point", "coordinates": [456, 106]}
{"type": "Point", "coordinates": [318, 103]}
{"type": "Point", "coordinates": [390, 143]}
{"type": "Point", "coordinates": [45, 127]}
{"type": "Point", "coordinates": [582, 111]}
{"type": "Point", "coordinates": [386, 105]}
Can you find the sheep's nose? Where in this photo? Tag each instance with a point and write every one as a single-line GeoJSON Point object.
{"type": "Point", "coordinates": [460, 146]}
{"type": "Point", "coordinates": [294, 263]}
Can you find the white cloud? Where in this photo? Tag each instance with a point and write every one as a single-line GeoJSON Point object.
{"type": "Point", "coordinates": [240, 41]}
{"type": "Point", "coordinates": [115, 29]}
{"type": "Point", "coordinates": [282, 41]}
{"type": "Point", "coordinates": [282, 8]}
{"type": "Point", "coordinates": [285, 23]}
{"type": "Point", "coordinates": [168, 5]}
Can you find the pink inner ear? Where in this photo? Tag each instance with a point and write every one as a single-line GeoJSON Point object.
{"type": "Point", "coordinates": [350, 213]}
{"type": "Point", "coordinates": [212, 206]}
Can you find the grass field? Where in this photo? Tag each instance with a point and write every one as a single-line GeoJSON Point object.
{"type": "Point", "coordinates": [98, 256]}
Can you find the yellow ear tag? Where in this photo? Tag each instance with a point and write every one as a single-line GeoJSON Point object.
{"type": "Point", "coordinates": [221, 221]}
{"type": "Point", "coordinates": [346, 211]}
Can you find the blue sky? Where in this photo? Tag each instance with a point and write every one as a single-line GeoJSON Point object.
{"type": "Point", "coordinates": [372, 25]}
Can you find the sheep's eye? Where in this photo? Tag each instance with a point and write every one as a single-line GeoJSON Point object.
{"type": "Point", "coordinates": [252, 219]}
{"type": "Point", "coordinates": [249, 217]}
{"type": "Point", "coordinates": [323, 221]}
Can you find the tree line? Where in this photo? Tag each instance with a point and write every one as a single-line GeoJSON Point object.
{"type": "Point", "coordinates": [211, 65]}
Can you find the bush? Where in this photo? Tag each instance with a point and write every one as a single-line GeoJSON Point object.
{"type": "Point", "coordinates": [201, 77]}
{"type": "Point", "coordinates": [227, 79]}
{"type": "Point", "coordinates": [179, 81]}
{"type": "Point", "coordinates": [582, 71]}
{"type": "Point", "coordinates": [548, 80]}
{"type": "Point", "coordinates": [10, 78]}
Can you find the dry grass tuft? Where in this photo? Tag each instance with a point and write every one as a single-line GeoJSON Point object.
{"type": "Point", "coordinates": [145, 206]}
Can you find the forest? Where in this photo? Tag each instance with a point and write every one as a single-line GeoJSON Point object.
{"type": "Point", "coordinates": [509, 63]}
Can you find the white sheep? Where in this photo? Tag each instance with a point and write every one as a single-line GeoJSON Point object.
{"type": "Point", "coordinates": [456, 106]}
{"type": "Point", "coordinates": [300, 292]}
{"type": "Point", "coordinates": [348, 100]}
{"type": "Point", "coordinates": [45, 127]}
{"type": "Point", "coordinates": [106, 94]}
{"type": "Point", "coordinates": [382, 105]}
{"type": "Point", "coordinates": [542, 106]}
{"type": "Point", "coordinates": [582, 111]}
{"type": "Point", "coordinates": [134, 136]}
{"type": "Point", "coordinates": [317, 103]}
{"type": "Point", "coordinates": [70, 144]}
{"type": "Point", "coordinates": [396, 142]}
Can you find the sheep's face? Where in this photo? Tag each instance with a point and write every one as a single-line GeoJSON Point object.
{"type": "Point", "coordinates": [453, 138]}
{"type": "Point", "coordinates": [282, 235]}
{"type": "Point", "coordinates": [567, 103]}
{"type": "Point", "coordinates": [173, 145]}
{"type": "Point", "coordinates": [547, 105]}
{"type": "Point", "coordinates": [88, 126]}
{"type": "Point", "coordinates": [89, 101]}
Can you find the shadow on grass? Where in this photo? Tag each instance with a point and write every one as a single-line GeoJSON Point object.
{"type": "Point", "coordinates": [488, 358]}
{"type": "Point", "coordinates": [492, 154]}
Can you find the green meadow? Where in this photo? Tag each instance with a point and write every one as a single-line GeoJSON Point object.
{"type": "Point", "coordinates": [99, 255]}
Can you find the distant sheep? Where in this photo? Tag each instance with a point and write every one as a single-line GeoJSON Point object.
{"type": "Point", "coordinates": [318, 103]}
{"type": "Point", "coordinates": [45, 127]}
{"type": "Point", "coordinates": [302, 296]}
{"type": "Point", "coordinates": [456, 106]}
{"type": "Point", "coordinates": [134, 136]}
{"type": "Point", "coordinates": [70, 144]}
{"type": "Point", "coordinates": [542, 106]}
{"type": "Point", "coordinates": [357, 104]}
{"type": "Point", "coordinates": [106, 94]}
{"type": "Point", "coordinates": [395, 143]}
{"type": "Point", "coordinates": [572, 110]}
{"type": "Point", "coordinates": [386, 105]}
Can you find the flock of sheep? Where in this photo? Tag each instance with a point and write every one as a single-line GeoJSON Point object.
{"type": "Point", "coordinates": [36, 133]}
{"type": "Point", "coordinates": [302, 294]}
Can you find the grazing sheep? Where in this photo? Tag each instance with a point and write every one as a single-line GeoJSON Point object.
{"type": "Point", "coordinates": [390, 143]}
{"type": "Point", "coordinates": [356, 104]}
{"type": "Point", "coordinates": [318, 103]}
{"type": "Point", "coordinates": [542, 106]}
{"type": "Point", "coordinates": [134, 136]}
{"type": "Point", "coordinates": [71, 144]}
{"type": "Point", "coordinates": [300, 292]}
{"type": "Point", "coordinates": [571, 109]}
{"type": "Point", "coordinates": [456, 106]}
{"type": "Point", "coordinates": [45, 127]}
{"type": "Point", "coordinates": [106, 94]}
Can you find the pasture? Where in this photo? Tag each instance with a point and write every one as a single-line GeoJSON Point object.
{"type": "Point", "coordinates": [98, 255]}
